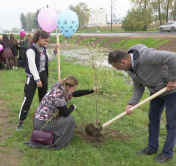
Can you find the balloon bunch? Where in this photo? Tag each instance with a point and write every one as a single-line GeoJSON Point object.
{"type": "Point", "coordinates": [67, 21]}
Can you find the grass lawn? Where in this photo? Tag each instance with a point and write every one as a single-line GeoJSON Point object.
{"type": "Point", "coordinates": [114, 93]}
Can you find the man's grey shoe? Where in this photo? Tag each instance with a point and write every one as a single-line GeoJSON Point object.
{"type": "Point", "coordinates": [162, 158]}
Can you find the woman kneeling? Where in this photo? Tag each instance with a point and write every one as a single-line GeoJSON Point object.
{"type": "Point", "coordinates": [52, 114]}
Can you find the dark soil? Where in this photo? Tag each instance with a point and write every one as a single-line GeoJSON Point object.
{"type": "Point", "coordinates": [99, 141]}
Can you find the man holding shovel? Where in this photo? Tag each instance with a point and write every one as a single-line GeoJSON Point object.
{"type": "Point", "coordinates": [155, 70]}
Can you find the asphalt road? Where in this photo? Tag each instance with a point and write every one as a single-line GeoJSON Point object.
{"type": "Point", "coordinates": [123, 34]}
{"type": "Point", "coordinates": [127, 34]}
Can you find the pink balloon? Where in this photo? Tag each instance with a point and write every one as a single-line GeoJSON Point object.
{"type": "Point", "coordinates": [23, 33]}
{"type": "Point", "coordinates": [1, 47]}
{"type": "Point", "coordinates": [47, 19]}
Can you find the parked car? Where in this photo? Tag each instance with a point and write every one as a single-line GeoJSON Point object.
{"type": "Point", "coordinates": [169, 26]}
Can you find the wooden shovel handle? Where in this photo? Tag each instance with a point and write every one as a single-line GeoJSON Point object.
{"type": "Point", "coordinates": [136, 106]}
{"type": "Point", "coordinates": [58, 58]}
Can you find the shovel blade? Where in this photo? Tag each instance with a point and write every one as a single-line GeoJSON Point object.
{"type": "Point", "coordinates": [93, 131]}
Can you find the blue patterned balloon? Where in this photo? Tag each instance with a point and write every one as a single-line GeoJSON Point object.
{"type": "Point", "coordinates": [67, 22]}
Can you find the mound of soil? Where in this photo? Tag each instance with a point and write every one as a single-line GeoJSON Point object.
{"type": "Point", "coordinates": [99, 141]}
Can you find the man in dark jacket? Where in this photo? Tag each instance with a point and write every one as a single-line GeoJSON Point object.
{"type": "Point", "coordinates": [155, 70]}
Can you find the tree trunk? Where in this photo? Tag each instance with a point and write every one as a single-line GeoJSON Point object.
{"type": "Point", "coordinates": [167, 11]}
{"type": "Point", "coordinates": [145, 26]}
{"type": "Point", "coordinates": [174, 12]}
{"type": "Point", "coordinates": [159, 11]}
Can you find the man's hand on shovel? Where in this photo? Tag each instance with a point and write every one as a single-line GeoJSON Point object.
{"type": "Point", "coordinates": [128, 111]}
{"type": "Point", "coordinates": [171, 85]}
{"type": "Point", "coordinates": [91, 130]}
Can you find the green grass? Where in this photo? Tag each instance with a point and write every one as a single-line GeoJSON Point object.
{"type": "Point", "coordinates": [101, 29]}
{"type": "Point", "coordinates": [114, 30]}
{"type": "Point", "coordinates": [89, 40]}
{"type": "Point", "coordinates": [101, 43]}
{"type": "Point", "coordinates": [162, 42]}
{"type": "Point", "coordinates": [149, 42]}
{"type": "Point", "coordinates": [114, 94]}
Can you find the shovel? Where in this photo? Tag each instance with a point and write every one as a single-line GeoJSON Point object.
{"type": "Point", "coordinates": [91, 130]}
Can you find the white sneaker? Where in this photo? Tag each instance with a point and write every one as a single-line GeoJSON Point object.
{"type": "Point", "coordinates": [15, 67]}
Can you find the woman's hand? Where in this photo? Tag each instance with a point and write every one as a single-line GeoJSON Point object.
{"type": "Point", "coordinates": [128, 111]}
{"type": "Point", "coordinates": [57, 46]}
{"type": "Point", "coordinates": [74, 107]}
{"type": "Point", "coordinates": [39, 84]}
{"type": "Point", "coordinates": [95, 88]}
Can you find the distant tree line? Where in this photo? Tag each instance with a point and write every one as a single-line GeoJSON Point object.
{"type": "Point", "coordinates": [82, 11]}
{"type": "Point", "coordinates": [30, 21]}
{"type": "Point", "coordinates": [144, 12]}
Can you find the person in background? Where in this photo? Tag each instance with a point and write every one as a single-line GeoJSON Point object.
{"type": "Point", "coordinates": [36, 71]}
{"type": "Point", "coordinates": [154, 69]}
{"type": "Point", "coordinates": [53, 115]}
{"type": "Point", "coordinates": [27, 41]}
{"type": "Point", "coordinates": [22, 51]}
{"type": "Point", "coordinates": [7, 53]}
{"type": "Point", "coordinates": [2, 60]}
{"type": "Point", "coordinates": [14, 48]}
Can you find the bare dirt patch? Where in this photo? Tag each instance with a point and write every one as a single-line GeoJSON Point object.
{"type": "Point", "coordinates": [8, 156]}
{"type": "Point", "coordinates": [99, 141]}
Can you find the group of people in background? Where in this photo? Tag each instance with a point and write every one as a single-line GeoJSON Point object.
{"type": "Point", "coordinates": [11, 49]}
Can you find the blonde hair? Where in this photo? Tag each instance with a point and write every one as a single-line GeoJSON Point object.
{"type": "Point", "coordinates": [68, 81]}
{"type": "Point", "coordinates": [29, 38]}
{"type": "Point", "coordinates": [1, 37]}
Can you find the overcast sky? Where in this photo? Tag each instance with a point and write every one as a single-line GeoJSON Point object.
{"type": "Point", "coordinates": [10, 9]}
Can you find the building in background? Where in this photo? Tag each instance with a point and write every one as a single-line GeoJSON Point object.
{"type": "Point", "coordinates": [97, 17]}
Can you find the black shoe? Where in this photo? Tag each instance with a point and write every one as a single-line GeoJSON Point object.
{"type": "Point", "coordinates": [7, 68]}
{"type": "Point", "coordinates": [146, 151]}
{"type": "Point", "coordinates": [20, 125]}
{"type": "Point", "coordinates": [162, 158]}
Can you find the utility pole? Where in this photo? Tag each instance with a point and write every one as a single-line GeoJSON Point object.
{"type": "Point", "coordinates": [111, 15]}
{"type": "Point", "coordinates": [96, 20]}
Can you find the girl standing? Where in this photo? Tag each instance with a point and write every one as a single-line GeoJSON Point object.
{"type": "Point", "coordinates": [52, 113]}
{"type": "Point", "coordinates": [36, 71]}
{"type": "Point", "coordinates": [7, 53]}
{"type": "Point", "coordinates": [14, 46]}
